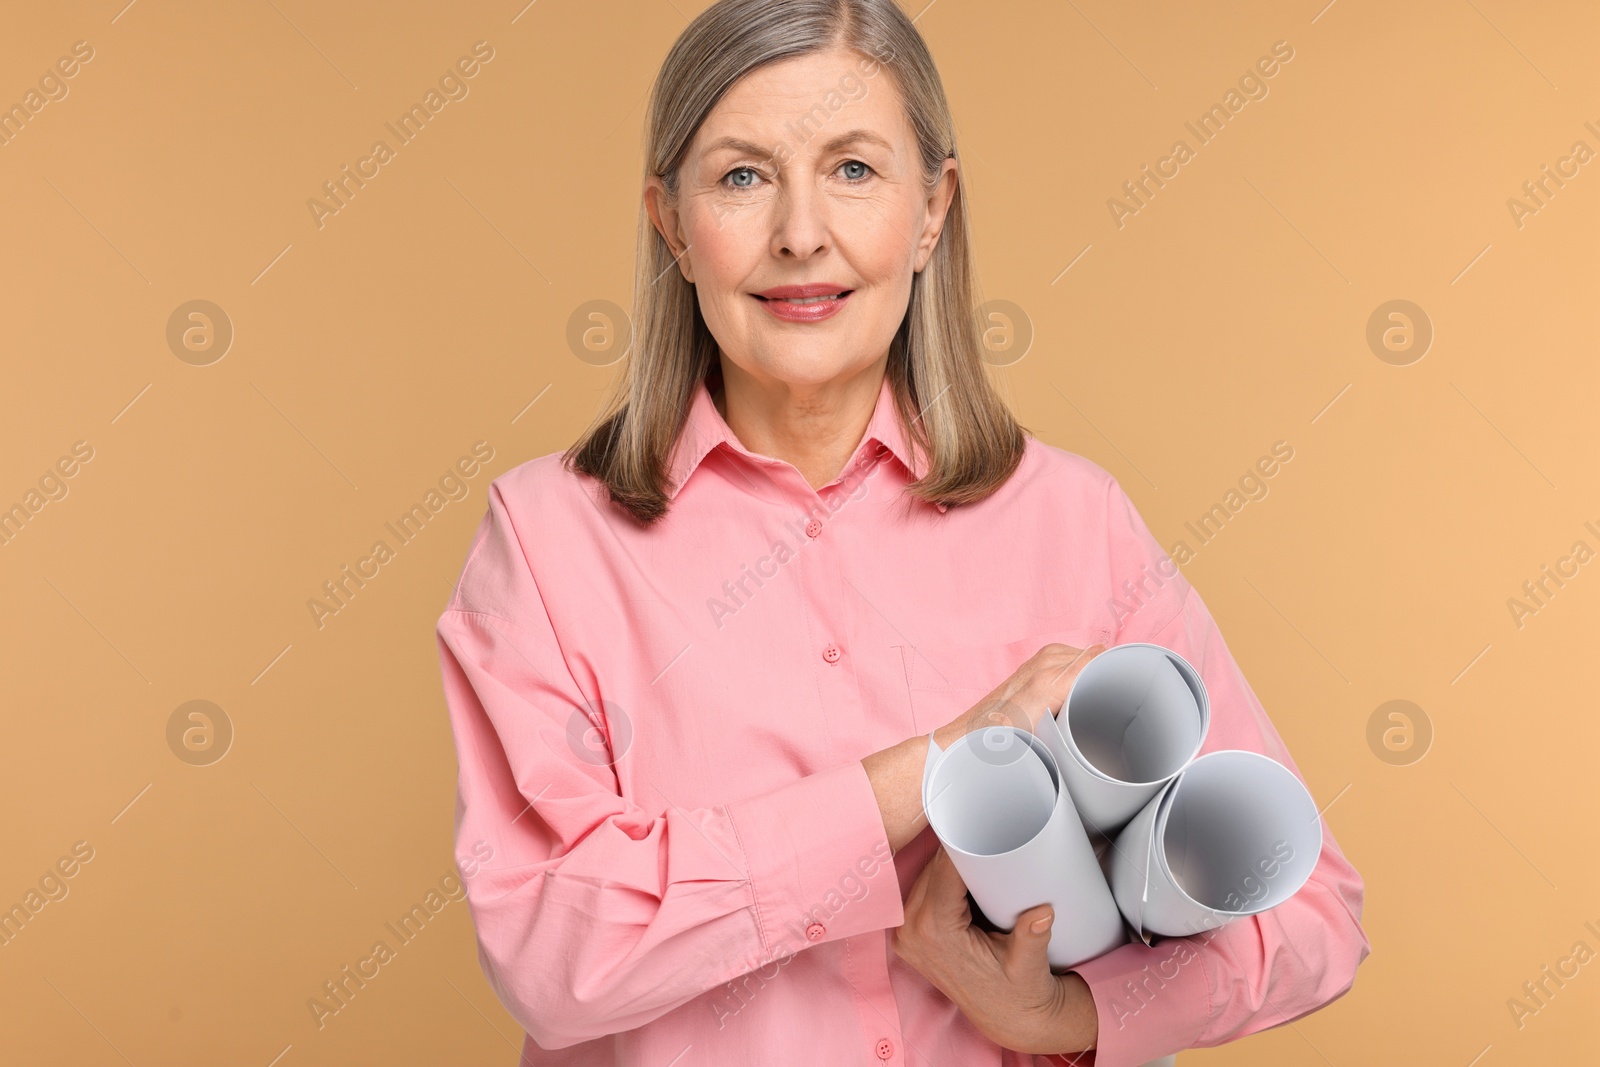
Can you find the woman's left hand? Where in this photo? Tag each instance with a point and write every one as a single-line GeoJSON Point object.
{"type": "Point", "coordinates": [1001, 982]}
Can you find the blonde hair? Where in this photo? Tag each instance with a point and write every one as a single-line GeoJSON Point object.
{"type": "Point", "coordinates": [943, 397]}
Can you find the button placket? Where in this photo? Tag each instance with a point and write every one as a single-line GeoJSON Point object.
{"type": "Point", "coordinates": [832, 617]}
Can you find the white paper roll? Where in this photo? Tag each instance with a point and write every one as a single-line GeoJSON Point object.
{"type": "Point", "coordinates": [1135, 716]}
{"type": "Point", "coordinates": [996, 801]}
{"type": "Point", "coordinates": [1197, 841]}
{"type": "Point", "coordinates": [1234, 834]}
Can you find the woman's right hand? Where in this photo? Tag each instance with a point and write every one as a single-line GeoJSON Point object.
{"type": "Point", "coordinates": [1035, 689]}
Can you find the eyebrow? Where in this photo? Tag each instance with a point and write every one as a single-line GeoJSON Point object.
{"type": "Point", "coordinates": [841, 141]}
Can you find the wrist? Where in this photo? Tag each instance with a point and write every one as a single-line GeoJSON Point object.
{"type": "Point", "coordinates": [952, 731]}
{"type": "Point", "coordinates": [1077, 1024]}
{"type": "Point", "coordinates": [896, 777]}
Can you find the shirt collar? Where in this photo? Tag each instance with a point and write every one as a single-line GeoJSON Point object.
{"type": "Point", "coordinates": [705, 429]}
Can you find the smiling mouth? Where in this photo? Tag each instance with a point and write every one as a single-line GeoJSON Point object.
{"type": "Point", "coordinates": [802, 300]}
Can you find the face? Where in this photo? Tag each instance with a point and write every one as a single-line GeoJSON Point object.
{"type": "Point", "coordinates": [806, 173]}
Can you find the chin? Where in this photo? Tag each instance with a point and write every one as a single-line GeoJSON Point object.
{"type": "Point", "coordinates": [802, 370]}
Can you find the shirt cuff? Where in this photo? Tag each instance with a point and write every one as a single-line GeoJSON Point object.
{"type": "Point", "coordinates": [1149, 1000]}
{"type": "Point", "coordinates": [819, 860]}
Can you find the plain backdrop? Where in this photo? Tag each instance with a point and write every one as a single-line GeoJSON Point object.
{"type": "Point", "coordinates": [373, 347]}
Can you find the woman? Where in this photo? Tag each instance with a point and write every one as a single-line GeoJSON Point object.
{"type": "Point", "coordinates": [692, 664]}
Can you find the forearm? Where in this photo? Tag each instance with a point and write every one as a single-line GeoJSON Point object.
{"type": "Point", "coordinates": [896, 776]}
{"type": "Point", "coordinates": [643, 913]}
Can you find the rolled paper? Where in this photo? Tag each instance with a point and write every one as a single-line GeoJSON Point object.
{"type": "Point", "coordinates": [1134, 717]}
{"type": "Point", "coordinates": [1234, 834]}
{"type": "Point", "coordinates": [1196, 841]}
{"type": "Point", "coordinates": [997, 802]}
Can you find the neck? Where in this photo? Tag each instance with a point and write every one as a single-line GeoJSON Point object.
{"type": "Point", "coordinates": [813, 428]}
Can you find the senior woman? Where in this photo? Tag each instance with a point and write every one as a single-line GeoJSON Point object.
{"type": "Point", "coordinates": [692, 664]}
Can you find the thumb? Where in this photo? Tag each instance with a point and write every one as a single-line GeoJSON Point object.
{"type": "Point", "coordinates": [1026, 947]}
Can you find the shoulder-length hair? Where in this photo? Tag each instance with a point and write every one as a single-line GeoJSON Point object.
{"type": "Point", "coordinates": [943, 397]}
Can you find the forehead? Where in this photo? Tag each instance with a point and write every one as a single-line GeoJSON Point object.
{"type": "Point", "coordinates": [826, 88]}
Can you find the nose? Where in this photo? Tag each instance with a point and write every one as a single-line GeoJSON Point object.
{"type": "Point", "coordinates": [800, 226]}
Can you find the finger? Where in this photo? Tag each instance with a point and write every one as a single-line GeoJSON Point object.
{"type": "Point", "coordinates": [945, 883]}
{"type": "Point", "coordinates": [1024, 952]}
{"type": "Point", "coordinates": [931, 891]}
{"type": "Point", "coordinates": [1072, 663]}
{"type": "Point", "coordinates": [948, 898]}
{"type": "Point", "coordinates": [1003, 711]}
{"type": "Point", "coordinates": [937, 902]}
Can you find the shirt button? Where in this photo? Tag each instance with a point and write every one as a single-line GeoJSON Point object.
{"type": "Point", "coordinates": [831, 653]}
{"type": "Point", "coordinates": [885, 1048]}
{"type": "Point", "coordinates": [813, 528]}
{"type": "Point", "coordinates": [815, 931]}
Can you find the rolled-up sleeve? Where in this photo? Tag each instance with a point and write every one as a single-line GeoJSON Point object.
{"type": "Point", "coordinates": [593, 914]}
{"type": "Point", "coordinates": [1255, 972]}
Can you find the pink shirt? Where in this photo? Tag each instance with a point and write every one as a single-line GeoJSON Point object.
{"type": "Point", "coordinates": [671, 849]}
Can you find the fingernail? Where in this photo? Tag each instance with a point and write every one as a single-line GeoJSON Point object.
{"type": "Point", "coordinates": [1039, 926]}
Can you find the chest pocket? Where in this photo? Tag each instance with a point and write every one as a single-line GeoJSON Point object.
{"type": "Point", "coordinates": [945, 678]}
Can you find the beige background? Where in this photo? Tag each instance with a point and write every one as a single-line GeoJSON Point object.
{"type": "Point", "coordinates": [369, 354]}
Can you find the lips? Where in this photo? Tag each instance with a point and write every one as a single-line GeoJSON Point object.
{"type": "Point", "coordinates": [810, 291]}
{"type": "Point", "coordinates": [812, 302]}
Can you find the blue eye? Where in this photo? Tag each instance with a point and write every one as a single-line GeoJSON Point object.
{"type": "Point", "coordinates": [744, 178]}
{"type": "Point", "coordinates": [736, 171]}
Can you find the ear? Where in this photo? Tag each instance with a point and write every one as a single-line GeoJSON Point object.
{"type": "Point", "coordinates": [937, 207]}
{"type": "Point", "coordinates": [664, 216]}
